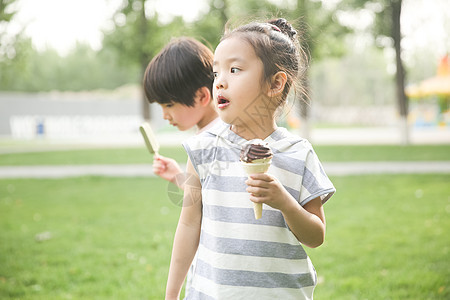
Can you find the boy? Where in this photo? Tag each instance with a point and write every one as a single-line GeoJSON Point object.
{"type": "Point", "coordinates": [179, 78]}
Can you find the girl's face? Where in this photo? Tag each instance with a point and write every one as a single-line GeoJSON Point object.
{"type": "Point", "coordinates": [238, 81]}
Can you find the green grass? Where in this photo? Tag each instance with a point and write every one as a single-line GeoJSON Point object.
{"type": "Point", "coordinates": [90, 156]}
{"type": "Point", "coordinates": [383, 153]}
{"type": "Point", "coordinates": [111, 238]}
{"type": "Point", "coordinates": [387, 238]}
{"type": "Point", "coordinates": [141, 155]}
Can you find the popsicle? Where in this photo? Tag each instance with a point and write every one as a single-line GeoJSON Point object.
{"type": "Point", "coordinates": [149, 138]}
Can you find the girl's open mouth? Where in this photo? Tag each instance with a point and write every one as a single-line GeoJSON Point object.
{"type": "Point", "coordinates": [222, 102]}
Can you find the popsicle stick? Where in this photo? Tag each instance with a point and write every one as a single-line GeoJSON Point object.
{"type": "Point", "coordinates": [149, 138]}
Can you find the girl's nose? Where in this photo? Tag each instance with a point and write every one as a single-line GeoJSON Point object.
{"type": "Point", "coordinates": [219, 82]}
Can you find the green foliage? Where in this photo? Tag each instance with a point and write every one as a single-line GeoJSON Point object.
{"type": "Point", "coordinates": [377, 88]}
{"type": "Point", "coordinates": [82, 69]}
{"type": "Point", "coordinates": [14, 49]}
{"type": "Point", "coordinates": [321, 34]}
{"type": "Point", "coordinates": [382, 11]}
{"type": "Point", "coordinates": [138, 36]}
{"type": "Point", "coordinates": [209, 29]}
{"type": "Point", "coordinates": [387, 28]}
{"type": "Point", "coordinates": [318, 30]}
{"type": "Point", "coordinates": [5, 14]}
{"type": "Point", "coordinates": [246, 10]}
{"type": "Point", "coordinates": [14, 63]}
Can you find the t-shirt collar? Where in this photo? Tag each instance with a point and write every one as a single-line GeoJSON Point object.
{"type": "Point", "coordinates": [223, 130]}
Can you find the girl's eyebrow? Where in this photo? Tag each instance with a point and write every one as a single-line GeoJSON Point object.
{"type": "Point", "coordinates": [230, 60]}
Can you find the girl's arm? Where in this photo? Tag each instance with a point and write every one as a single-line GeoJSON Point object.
{"type": "Point", "coordinates": [187, 235]}
{"type": "Point", "coordinates": [307, 222]}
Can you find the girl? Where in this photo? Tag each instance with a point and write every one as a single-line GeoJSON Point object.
{"type": "Point", "coordinates": [239, 257]}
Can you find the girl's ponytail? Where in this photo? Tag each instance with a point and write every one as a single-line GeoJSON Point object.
{"type": "Point", "coordinates": [284, 27]}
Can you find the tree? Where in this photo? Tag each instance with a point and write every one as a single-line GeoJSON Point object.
{"type": "Point", "coordinates": [134, 38]}
{"type": "Point", "coordinates": [6, 39]}
{"type": "Point", "coordinates": [387, 31]}
{"type": "Point", "coordinates": [6, 13]}
{"type": "Point", "coordinates": [395, 11]}
{"type": "Point", "coordinates": [320, 36]}
{"type": "Point", "coordinates": [14, 48]}
{"type": "Point", "coordinates": [209, 27]}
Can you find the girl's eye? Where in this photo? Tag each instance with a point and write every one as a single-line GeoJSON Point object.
{"type": "Point", "coordinates": [215, 74]}
{"type": "Point", "coordinates": [234, 70]}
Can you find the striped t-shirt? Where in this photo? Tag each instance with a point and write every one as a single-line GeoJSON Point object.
{"type": "Point", "coordinates": [238, 256]}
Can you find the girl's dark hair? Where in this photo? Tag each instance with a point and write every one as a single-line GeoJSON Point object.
{"type": "Point", "coordinates": [275, 43]}
{"type": "Point", "coordinates": [178, 71]}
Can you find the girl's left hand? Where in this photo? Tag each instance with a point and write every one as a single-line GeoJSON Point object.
{"type": "Point", "coordinates": [265, 188]}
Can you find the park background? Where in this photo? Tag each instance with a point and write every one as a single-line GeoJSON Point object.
{"type": "Point", "coordinates": [75, 102]}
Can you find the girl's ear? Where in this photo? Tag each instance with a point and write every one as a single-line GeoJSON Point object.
{"type": "Point", "coordinates": [203, 96]}
{"type": "Point", "coordinates": [277, 83]}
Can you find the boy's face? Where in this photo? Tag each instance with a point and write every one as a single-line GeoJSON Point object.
{"type": "Point", "coordinates": [182, 116]}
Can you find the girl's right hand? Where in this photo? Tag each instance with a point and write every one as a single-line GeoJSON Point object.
{"type": "Point", "coordinates": [166, 168]}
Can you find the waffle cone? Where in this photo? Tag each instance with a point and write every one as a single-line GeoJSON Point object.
{"type": "Point", "coordinates": [256, 168]}
{"type": "Point", "coordinates": [257, 210]}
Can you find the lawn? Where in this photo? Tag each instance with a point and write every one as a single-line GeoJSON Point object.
{"type": "Point", "coordinates": [141, 155]}
{"type": "Point", "coordinates": [111, 238]}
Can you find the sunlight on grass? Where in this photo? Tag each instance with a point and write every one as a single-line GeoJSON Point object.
{"type": "Point", "coordinates": [111, 238]}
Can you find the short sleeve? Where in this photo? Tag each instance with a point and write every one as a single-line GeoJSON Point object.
{"type": "Point", "coordinates": [190, 154]}
{"type": "Point", "coordinates": [315, 182]}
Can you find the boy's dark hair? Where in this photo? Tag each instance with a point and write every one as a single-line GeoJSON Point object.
{"type": "Point", "coordinates": [178, 71]}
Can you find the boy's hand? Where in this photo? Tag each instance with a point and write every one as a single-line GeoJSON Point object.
{"type": "Point", "coordinates": [265, 188]}
{"type": "Point", "coordinates": [166, 168]}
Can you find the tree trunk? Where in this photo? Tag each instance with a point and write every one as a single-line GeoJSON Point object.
{"type": "Point", "coordinates": [305, 43]}
{"type": "Point", "coordinates": [400, 73]}
{"type": "Point", "coordinates": [146, 113]}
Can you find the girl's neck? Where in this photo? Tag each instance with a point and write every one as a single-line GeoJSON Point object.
{"type": "Point", "coordinates": [252, 130]}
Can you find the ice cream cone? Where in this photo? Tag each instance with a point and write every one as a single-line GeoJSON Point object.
{"type": "Point", "coordinates": [256, 168]}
